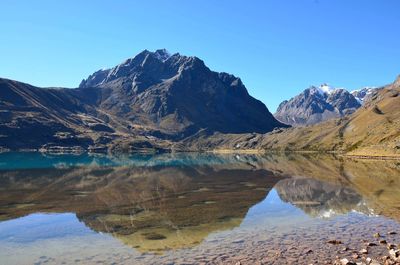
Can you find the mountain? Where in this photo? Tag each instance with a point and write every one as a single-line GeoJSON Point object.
{"type": "Point", "coordinates": [325, 184]}
{"type": "Point", "coordinates": [320, 199]}
{"type": "Point", "coordinates": [373, 130]}
{"type": "Point", "coordinates": [178, 96]}
{"type": "Point", "coordinates": [146, 102]}
{"type": "Point", "coordinates": [316, 104]}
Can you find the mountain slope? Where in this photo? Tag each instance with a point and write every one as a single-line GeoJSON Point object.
{"type": "Point", "coordinates": [32, 117]}
{"type": "Point", "coordinates": [316, 104]}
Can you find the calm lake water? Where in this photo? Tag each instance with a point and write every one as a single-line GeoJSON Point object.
{"type": "Point", "coordinates": [190, 208]}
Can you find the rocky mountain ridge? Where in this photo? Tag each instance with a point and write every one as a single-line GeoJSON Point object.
{"type": "Point", "coordinates": [177, 96]}
{"type": "Point", "coordinates": [365, 94]}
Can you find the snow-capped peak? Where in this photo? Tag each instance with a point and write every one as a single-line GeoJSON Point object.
{"type": "Point", "coordinates": [326, 89]}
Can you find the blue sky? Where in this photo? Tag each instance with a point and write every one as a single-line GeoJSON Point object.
{"type": "Point", "coordinates": [277, 47]}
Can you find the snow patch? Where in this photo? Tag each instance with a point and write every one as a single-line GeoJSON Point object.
{"type": "Point", "coordinates": [360, 94]}
{"type": "Point", "coordinates": [325, 89]}
{"type": "Point", "coordinates": [162, 54]}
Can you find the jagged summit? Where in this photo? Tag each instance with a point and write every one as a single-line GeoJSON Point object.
{"type": "Point", "coordinates": [154, 65]}
{"type": "Point", "coordinates": [326, 89]}
{"type": "Point", "coordinates": [316, 104]}
{"type": "Point", "coordinates": [162, 54]}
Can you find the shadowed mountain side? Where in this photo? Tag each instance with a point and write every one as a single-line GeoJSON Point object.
{"type": "Point", "coordinates": [47, 118]}
{"type": "Point", "coordinates": [178, 95]}
{"type": "Point", "coordinates": [151, 209]}
{"type": "Point", "coordinates": [32, 117]}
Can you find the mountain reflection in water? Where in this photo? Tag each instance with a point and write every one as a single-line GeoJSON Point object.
{"type": "Point", "coordinates": [321, 199]}
{"type": "Point", "coordinates": [169, 203]}
{"type": "Point", "coordinates": [165, 202]}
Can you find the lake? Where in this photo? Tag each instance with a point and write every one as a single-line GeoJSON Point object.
{"type": "Point", "coordinates": [195, 208]}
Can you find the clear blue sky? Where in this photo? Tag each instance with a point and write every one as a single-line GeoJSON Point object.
{"type": "Point", "coordinates": [277, 47]}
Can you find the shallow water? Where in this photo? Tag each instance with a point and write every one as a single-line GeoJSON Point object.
{"type": "Point", "coordinates": [191, 208]}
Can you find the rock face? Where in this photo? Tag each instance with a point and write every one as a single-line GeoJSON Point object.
{"type": "Point", "coordinates": [178, 95]}
{"type": "Point", "coordinates": [153, 95]}
{"type": "Point", "coordinates": [316, 104]}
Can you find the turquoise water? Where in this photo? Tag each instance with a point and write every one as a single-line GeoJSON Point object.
{"type": "Point", "coordinates": [16, 160]}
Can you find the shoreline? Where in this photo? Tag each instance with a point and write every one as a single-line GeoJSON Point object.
{"type": "Point", "coordinates": [214, 151]}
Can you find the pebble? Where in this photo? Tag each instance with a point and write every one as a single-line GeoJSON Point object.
{"type": "Point", "coordinates": [346, 262]}
{"type": "Point", "coordinates": [364, 251]}
{"type": "Point", "coordinates": [377, 235]}
{"type": "Point", "coordinates": [394, 253]}
{"type": "Point", "coordinates": [390, 246]}
{"type": "Point", "coordinates": [385, 257]}
{"type": "Point", "coordinates": [308, 251]}
{"type": "Point", "coordinates": [334, 242]}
